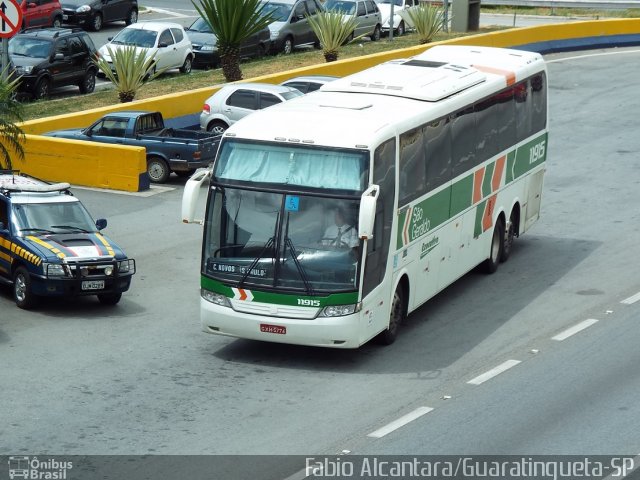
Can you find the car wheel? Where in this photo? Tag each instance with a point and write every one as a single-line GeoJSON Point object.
{"type": "Point", "coordinates": [400, 29]}
{"type": "Point", "coordinates": [132, 17]}
{"type": "Point", "coordinates": [158, 170]}
{"type": "Point", "coordinates": [376, 34]}
{"type": "Point", "coordinates": [42, 88]}
{"type": "Point", "coordinates": [22, 294]}
{"type": "Point", "coordinates": [262, 50]}
{"type": "Point", "coordinates": [217, 127]}
{"type": "Point", "coordinates": [109, 298]}
{"type": "Point", "coordinates": [349, 39]}
{"type": "Point", "coordinates": [288, 45]}
{"type": "Point", "coordinates": [96, 22]}
{"type": "Point", "coordinates": [186, 66]}
{"type": "Point", "coordinates": [88, 83]}
{"type": "Point", "coordinates": [57, 22]}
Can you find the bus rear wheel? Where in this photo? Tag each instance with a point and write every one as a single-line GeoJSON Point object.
{"type": "Point", "coordinates": [497, 245]}
{"type": "Point", "coordinates": [396, 317]}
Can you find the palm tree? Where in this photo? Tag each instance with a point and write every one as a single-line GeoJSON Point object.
{"type": "Point", "coordinates": [333, 30]}
{"type": "Point", "coordinates": [233, 22]}
{"type": "Point", "coordinates": [133, 68]}
{"type": "Point", "coordinates": [428, 20]}
{"type": "Point", "coordinates": [11, 135]}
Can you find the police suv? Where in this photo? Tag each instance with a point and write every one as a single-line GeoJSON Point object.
{"type": "Point", "coordinates": [50, 246]}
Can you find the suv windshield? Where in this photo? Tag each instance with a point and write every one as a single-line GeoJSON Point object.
{"type": "Point", "coordinates": [29, 47]}
{"type": "Point", "coordinates": [285, 241]}
{"type": "Point", "coordinates": [135, 37]}
{"type": "Point", "coordinates": [35, 218]}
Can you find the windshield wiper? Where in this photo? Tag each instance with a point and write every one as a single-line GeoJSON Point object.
{"type": "Point", "coordinates": [71, 227]}
{"type": "Point", "coordinates": [35, 229]}
{"type": "Point", "coordinates": [303, 274]}
{"type": "Point", "coordinates": [255, 261]}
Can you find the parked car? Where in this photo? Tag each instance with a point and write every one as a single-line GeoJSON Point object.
{"type": "Point", "coordinates": [233, 102]}
{"type": "Point", "coordinates": [401, 21]}
{"type": "Point", "coordinates": [308, 83]}
{"type": "Point", "coordinates": [53, 57]}
{"type": "Point", "coordinates": [171, 45]}
{"type": "Point", "coordinates": [41, 13]}
{"type": "Point", "coordinates": [291, 27]}
{"type": "Point", "coordinates": [93, 14]}
{"type": "Point", "coordinates": [205, 44]}
{"type": "Point", "coordinates": [366, 13]}
{"type": "Point", "coordinates": [168, 150]}
{"type": "Point", "coordinates": [57, 250]}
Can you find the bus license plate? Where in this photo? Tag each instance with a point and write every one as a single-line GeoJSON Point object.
{"type": "Point", "coordinates": [266, 328]}
{"type": "Point", "coordinates": [93, 285]}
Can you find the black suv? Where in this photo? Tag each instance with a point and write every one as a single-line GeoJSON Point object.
{"type": "Point", "coordinates": [53, 57]}
{"type": "Point", "coordinates": [92, 14]}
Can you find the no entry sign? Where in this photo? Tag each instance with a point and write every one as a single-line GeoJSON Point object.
{"type": "Point", "coordinates": [10, 18]}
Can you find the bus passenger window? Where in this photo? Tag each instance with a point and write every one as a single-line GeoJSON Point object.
{"type": "Point", "coordinates": [438, 138]}
{"type": "Point", "coordinates": [463, 141]}
{"type": "Point", "coordinates": [412, 166]}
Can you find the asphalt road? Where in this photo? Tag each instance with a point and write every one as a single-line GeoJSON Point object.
{"type": "Point", "coordinates": [140, 378]}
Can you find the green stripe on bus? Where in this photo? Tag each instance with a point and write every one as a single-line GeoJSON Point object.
{"type": "Point", "coordinates": [477, 228]}
{"type": "Point", "coordinates": [488, 177]}
{"type": "Point", "coordinates": [526, 157]}
{"type": "Point", "coordinates": [291, 299]}
{"type": "Point", "coordinates": [461, 195]}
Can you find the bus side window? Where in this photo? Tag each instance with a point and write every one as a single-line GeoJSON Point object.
{"type": "Point", "coordinates": [486, 112]}
{"type": "Point", "coordinates": [463, 141]}
{"type": "Point", "coordinates": [413, 163]}
{"type": "Point", "coordinates": [438, 155]}
{"type": "Point", "coordinates": [538, 96]}
{"type": "Point", "coordinates": [523, 105]}
{"type": "Point", "coordinates": [506, 119]}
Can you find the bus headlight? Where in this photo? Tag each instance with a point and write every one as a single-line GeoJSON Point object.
{"type": "Point", "coordinates": [216, 298]}
{"type": "Point", "coordinates": [54, 270]}
{"type": "Point", "coordinates": [339, 310]}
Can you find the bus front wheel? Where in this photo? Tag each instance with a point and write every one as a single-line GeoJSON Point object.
{"type": "Point", "coordinates": [396, 317]}
{"type": "Point", "coordinates": [497, 244]}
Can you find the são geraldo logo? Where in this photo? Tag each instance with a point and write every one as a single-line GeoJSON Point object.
{"type": "Point", "coordinates": [38, 469]}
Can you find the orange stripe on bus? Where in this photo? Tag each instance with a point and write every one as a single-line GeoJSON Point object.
{"type": "Point", "coordinates": [497, 173]}
{"type": "Point", "coordinates": [508, 74]}
{"type": "Point", "coordinates": [487, 219]}
{"type": "Point", "coordinates": [478, 178]}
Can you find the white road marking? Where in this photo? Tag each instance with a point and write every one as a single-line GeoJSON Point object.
{"type": "Point", "coordinates": [632, 299]}
{"type": "Point", "coordinates": [400, 422]}
{"type": "Point", "coordinates": [503, 367]}
{"type": "Point", "coordinates": [575, 329]}
{"type": "Point", "coordinates": [577, 57]}
{"type": "Point", "coordinates": [168, 12]}
{"type": "Point", "coordinates": [153, 190]}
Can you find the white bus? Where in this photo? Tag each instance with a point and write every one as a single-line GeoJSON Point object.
{"type": "Point", "coordinates": [430, 165]}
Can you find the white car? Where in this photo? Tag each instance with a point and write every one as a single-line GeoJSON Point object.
{"type": "Point", "coordinates": [171, 45]}
{"type": "Point", "coordinates": [401, 21]}
{"type": "Point", "coordinates": [234, 102]}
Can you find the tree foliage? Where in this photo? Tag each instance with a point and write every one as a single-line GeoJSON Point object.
{"type": "Point", "coordinates": [133, 68]}
{"type": "Point", "coordinates": [428, 20]}
{"type": "Point", "coordinates": [333, 30]}
{"type": "Point", "coordinates": [11, 135]}
{"type": "Point", "coordinates": [233, 22]}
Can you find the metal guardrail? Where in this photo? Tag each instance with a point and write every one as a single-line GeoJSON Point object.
{"type": "Point", "coordinates": [593, 4]}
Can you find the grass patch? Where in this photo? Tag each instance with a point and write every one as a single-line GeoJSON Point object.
{"type": "Point", "coordinates": [173, 82]}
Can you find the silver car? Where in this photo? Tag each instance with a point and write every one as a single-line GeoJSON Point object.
{"type": "Point", "coordinates": [366, 13]}
{"type": "Point", "coordinates": [291, 27]}
{"type": "Point", "coordinates": [233, 102]}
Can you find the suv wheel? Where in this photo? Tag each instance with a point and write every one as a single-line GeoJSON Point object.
{"type": "Point", "coordinates": [96, 22]}
{"type": "Point", "coordinates": [132, 17]}
{"type": "Point", "coordinates": [88, 83]}
{"type": "Point", "coordinates": [42, 88]}
{"type": "Point", "coordinates": [186, 66]}
{"type": "Point", "coordinates": [57, 22]}
{"type": "Point", "coordinates": [22, 294]}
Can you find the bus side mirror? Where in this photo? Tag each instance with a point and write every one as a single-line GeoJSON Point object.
{"type": "Point", "coordinates": [191, 193]}
{"type": "Point", "coordinates": [101, 223]}
{"type": "Point", "coordinates": [368, 212]}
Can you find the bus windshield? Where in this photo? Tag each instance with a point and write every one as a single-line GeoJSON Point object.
{"type": "Point", "coordinates": [284, 241]}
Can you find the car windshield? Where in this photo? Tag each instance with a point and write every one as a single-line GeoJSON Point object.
{"type": "Point", "coordinates": [280, 11]}
{"type": "Point", "coordinates": [29, 47]}
{"type": "Point", "coordinates": [136, 37]}
{"type": "Point", "coordinates": [283, 241]}
{"type": "Point", "coordinates": [43, 218]}
{"type": "Point", "coordinates": [346, 8]}
{"type": "Point", "coordinates": [389, 2]}
{"type": "Point", "coordinates": [200, 25]}
{"type": "Point", "coordinates": [292, 94]}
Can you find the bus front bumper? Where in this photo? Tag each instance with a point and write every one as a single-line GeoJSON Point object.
{"type": "Point", "coordinates": [333, 332]}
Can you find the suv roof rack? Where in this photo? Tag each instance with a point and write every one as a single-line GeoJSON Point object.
{"type": "Point", "coordinates": [52, 32]}
{"type": "Point", "coordinates": [16, 182]}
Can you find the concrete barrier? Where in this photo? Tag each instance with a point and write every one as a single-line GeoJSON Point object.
{"type": "Point", "coordinates": [85, 163]}
{"type": "Point", "coordinates": [544, 38]}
